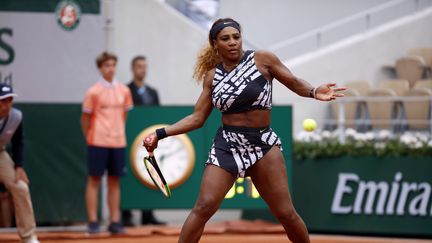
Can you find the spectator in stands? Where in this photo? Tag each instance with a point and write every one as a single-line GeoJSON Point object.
{"type": "Point", "coordinates": [12, 173]}
{"type": "Point", "coordinates": [144, 95]}
{"type": "Point", "coordinates": [103, 121]}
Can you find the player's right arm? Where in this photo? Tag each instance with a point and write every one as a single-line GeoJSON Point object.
{"type": "Point", "coordinates": [85, 123]}
{"type": "Point", "coordinates": [202, 110]}
{"type": "Point", "coordinates": [88, 107]}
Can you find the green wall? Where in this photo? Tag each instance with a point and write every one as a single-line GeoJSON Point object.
{"type": "Point", "coordinates": [47, 6]}
{"type": "Point", "coordinates": [316, 183]}
{"type": "Point", "coordinates": [136, 195]}
{"type": "Point", "coordinates": [55, 159]}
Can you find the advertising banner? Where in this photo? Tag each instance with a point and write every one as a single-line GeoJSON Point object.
{"type": "Point", "coordinates": [369, 195]}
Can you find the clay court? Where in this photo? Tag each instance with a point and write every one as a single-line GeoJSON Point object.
{"type": "Point", "coordinates": [230, 231]}
{"type": "Point", "coordinates": [254, 238]}
{"type": "Point", "coordinates": [209, 238]}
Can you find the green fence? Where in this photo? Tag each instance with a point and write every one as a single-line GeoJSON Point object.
{"type": "Point", "coordinates": [55, 159]}
{"type": "Point", "coordinates": [383, 196]}
{"type": "Point", "coordinates": [136, 195]}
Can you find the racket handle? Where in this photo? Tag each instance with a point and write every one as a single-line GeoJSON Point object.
{"type": "Point", "coordinates": [147, 139]}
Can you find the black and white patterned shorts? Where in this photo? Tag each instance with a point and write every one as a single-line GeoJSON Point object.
{"type": "Point", "coordinates": [235, 149]}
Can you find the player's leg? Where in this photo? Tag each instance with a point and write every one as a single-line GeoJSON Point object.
{"type": "Point", "coordinates": [270, 178]}
{"type": "Point", "coordinates": [116, 169]}
{"type": "Point", "coordinates": [215, 184]}
{"type": "Point", "coordinates": [114, 198]}
{"type": "Point", "coordinates": [126, 217]}
{"type": "Point", "coordinates": [24, 215]}
{"type": "Point", "coordinates": [97, 163]}
{"type": "Point", "coordinates": [92, 191]}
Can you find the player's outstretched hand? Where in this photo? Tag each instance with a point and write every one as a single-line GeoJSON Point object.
{"type": "Point", "coordinates": [150, 142]}
{"type": "Point", "coordinates": [328, 92]}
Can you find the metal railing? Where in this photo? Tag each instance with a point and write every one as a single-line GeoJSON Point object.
{"type": "Point", "coordinates": [189, 9]}
{"type": "Point", "coordinates": [322, 36]}
{"type": "Point", "coordinates": [397, 119]}
{"type": "Point", "coordinates": [357, 23]}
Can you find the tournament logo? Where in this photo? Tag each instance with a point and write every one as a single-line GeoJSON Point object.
{"type": "Point", "coordinates": [68, 14]}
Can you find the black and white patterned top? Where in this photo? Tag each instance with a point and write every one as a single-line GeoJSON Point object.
{"type": "Point", "coordinates": [242, 89]}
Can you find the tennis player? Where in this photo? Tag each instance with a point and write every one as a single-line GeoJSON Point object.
{"type": "Point", "coordinates": [239, 84]}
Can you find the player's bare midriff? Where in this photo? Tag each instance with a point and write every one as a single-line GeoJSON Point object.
{"type": "Point", "coordinates": [253, 118]}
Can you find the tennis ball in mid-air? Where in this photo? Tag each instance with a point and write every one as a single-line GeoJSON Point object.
{"type": "Point", "coordinates": [309, 125]}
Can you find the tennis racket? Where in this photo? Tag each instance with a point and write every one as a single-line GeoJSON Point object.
{"type": "Point", "coordinates": [156, 174]}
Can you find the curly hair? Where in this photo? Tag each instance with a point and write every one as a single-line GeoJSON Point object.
{"type": "Point", "coordinates": [208, 58]}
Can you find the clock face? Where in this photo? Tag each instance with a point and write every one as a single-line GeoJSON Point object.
{"type": "Point", "coordinates": [175, 156]}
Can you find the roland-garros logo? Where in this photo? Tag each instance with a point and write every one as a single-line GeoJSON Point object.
{"type": "Point", "coordinates": [68, 14]}
{"type": "Point", "coordinates": [398, 197]}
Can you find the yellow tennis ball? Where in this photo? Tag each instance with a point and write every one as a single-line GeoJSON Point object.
{"type": "Point", "coordinates": [309, 125]}
{"type": "Point", "coordinates": [240, 190]}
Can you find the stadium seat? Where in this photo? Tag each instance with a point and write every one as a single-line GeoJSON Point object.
{"type": "Point", "coordinates": [361, 86]}
{"type": "Point", "coordinates": [381, 112]}
{"type": "Point", "coordinates": [418, 111]}
{"type": "Point", "coordinates": [424, 52]}
{"type": "Point", "coordinates": [425, 83]}
{"type": "Point", "coordinates": [399, 86]}
{"type": "Point", "coordinates": [410, 68]}
{"type": "Point", "coordinates": [351, 109]}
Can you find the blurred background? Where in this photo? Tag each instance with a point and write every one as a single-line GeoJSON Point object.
{"type": "Point", "coordinates": [379, 135]}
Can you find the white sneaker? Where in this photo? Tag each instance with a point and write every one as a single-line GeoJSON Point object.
{"type": "Point", "coordinates": [31, 239]}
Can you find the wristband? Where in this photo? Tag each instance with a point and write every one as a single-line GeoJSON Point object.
{"type": "Point", "coordinates": [161, 133]}
{"type": "Point", "coordinates": [312, 93]}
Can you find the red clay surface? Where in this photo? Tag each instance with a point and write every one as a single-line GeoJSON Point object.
{"type": "Point", "coordinates": [224, 232]}
{"type": "Point", "coordinates": [236, 238]}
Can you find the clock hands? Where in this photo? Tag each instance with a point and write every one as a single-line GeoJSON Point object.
{"type": "Point", "coordinates": [164, 156]}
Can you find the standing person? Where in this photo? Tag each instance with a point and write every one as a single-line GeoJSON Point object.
{"type": "Point", "coordinates": [239, 84]}
{"type": "Point", "coordinates": [142, 95]}
{"type": "Point", "coordinates": [103, 122]}
{"type": "Point", "coordinates": [12, 173]}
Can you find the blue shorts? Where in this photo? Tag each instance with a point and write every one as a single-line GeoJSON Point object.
{"type": "Point", "coordinates": [101, 159]}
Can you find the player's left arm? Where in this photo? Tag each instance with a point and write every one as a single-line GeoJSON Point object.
{"type": "Point", "coordinates": [279, 71]}
{"type": "Point", "coordinates": [128, 103]}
